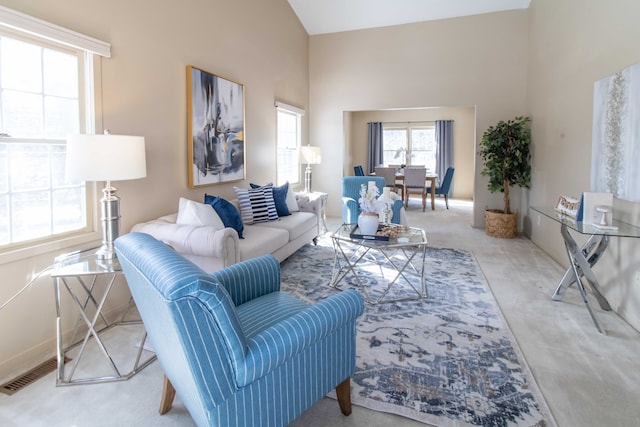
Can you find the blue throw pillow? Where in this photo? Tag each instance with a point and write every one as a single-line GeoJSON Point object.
{"type": "Point", "coordinates": [279, 197]}
{"type": "Point", "coordinates": [227, 212]}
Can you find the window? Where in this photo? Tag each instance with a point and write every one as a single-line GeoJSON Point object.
{"type": "Point", "coordinates": [409, 144]}
{"type": "Point", "coordinates": [289, 135]}
{"type": "Point", "coordinates": [46, 78]}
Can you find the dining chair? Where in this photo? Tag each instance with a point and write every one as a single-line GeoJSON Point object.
{"type": "Point", "coordinates": [445, 188]}
{"type": "Point", "coordinates": [414, 179]}
{"type": "Point", "coordinates": [358, 170]}
{"type": "Point", "coordinates": [389, 175]}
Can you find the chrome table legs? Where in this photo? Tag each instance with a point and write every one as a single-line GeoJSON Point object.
{"type": "Point", "coordinates": [581, 260]}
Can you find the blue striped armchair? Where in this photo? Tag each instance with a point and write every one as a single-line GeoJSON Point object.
{"type": "Point", "coordinates": [236, 350]}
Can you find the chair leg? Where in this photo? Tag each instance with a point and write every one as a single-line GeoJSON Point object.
{"type": "Point", "coordinates": [446, 200]}
{"type": "Point", "coordinates": [168, 394]}
{"type": "Point", "coordinates": [343, 392]}
{"type": "Point", "coordinates": [424, 200]}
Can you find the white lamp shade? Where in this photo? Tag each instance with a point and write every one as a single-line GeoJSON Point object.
{"type": "Point", "coordinates": [105, 157]}
{"type": "Point", "coordinates": [310, 155]}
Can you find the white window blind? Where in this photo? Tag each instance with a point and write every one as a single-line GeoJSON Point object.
{"type": "Point", "coordinates": [288, 140]}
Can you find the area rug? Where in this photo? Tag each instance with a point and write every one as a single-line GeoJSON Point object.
{"type": "Point", "coordinates": [448, 360]}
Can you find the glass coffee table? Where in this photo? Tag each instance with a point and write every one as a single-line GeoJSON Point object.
{"type": "Point", "coordinates": [377, 265]}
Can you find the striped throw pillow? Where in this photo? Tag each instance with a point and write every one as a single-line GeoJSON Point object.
{"type": "Point", "coordinates": [256, 204]}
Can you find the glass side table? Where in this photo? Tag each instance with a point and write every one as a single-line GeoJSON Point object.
{"type": "Point", "coordinates": [583, 258]}
{"type": "Point", "coordinates": [89, 281]}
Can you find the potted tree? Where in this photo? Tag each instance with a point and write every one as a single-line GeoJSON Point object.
{"type": "Point", "coordinates": [505, 149]}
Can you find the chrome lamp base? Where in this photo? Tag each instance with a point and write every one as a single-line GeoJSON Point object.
{"type": "Point", "coordinates": [110, 217]}
{"type": "Point", "coordinates": [307, 179]}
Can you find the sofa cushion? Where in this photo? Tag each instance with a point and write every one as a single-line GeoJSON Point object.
{"type": "Point", "coordinates": [292, 203]}
{"type": "Point", "coordinates": [262, 240]}
{"type": "Point", "coordinates": [295, 224]}
{"type": "Point", "coordinates": [256, 204]}
{"type": "Point", "coordinates": [228, 213]}
{"type": "Point", "coordinates": [194, 213]}
{"type": "Point", "coordinates": [279, 198]}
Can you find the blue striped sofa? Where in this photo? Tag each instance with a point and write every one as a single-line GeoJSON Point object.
{"type": "Point", "coordinates": [236, 350]}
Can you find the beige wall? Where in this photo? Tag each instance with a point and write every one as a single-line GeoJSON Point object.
{"type": "Point", "coordinates": [258, 43]}
{"type": "Point", "coordinates": [573, 44]}
{"type": "Point", "coordinates": [477, 61]}
{"type": "Point", "coordinates": [463, 135]}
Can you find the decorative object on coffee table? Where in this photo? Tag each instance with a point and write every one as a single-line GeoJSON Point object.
{"type": "Point", "coordinates": [368, 219]}
{"type": "Point", "coordinates": [215, 117]}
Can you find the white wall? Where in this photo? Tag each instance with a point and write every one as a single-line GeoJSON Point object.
{"type": "Point", "coordinates": [260, 44]}
{"type": "Point", "coordinates": [573, 44]}
{"type": "Point", "coordinates": [477, 61]}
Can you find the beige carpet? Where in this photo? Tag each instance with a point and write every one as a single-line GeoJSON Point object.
{"type": "Point", "coordinates": [586, 378]}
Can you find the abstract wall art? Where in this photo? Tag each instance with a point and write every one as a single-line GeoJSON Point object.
{"type": "Point", "coordinates": [215, 141]}
{"type": "Point", "coordinates": [616, 135]}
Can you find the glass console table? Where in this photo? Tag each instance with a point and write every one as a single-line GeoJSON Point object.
{"type": "Point", "coordinates": [88, 283]}
{"type": "Point", "coordinates": [583, 258]}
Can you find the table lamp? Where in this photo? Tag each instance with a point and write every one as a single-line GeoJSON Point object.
{"type": "Point", "coordinates": [106, 158]}
{"type": "Point", "coordinates": [311, 156]}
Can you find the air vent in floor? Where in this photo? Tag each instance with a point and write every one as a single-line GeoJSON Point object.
{"type": "Point", "coordinates": [34, 374]}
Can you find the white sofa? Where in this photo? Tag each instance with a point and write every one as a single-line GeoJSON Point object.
{"type": "Point", "coordinates": [213, 249]}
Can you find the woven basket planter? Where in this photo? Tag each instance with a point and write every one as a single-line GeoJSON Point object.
{"type": "Point", "coordinates": [498, 224]}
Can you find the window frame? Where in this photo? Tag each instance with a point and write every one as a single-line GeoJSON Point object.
{"type": "Point", "coordinates": [408, 128]}
{"type": "Point", "coordinates": [23, 27]}
{"type": "Point", "coordinates": [298, 113]}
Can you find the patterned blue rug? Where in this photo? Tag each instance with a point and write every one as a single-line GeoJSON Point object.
{"type": "Point", "coordinates": [448, 360]}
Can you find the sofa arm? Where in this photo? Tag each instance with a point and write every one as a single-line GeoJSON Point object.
{"type": "Point", "coordinates": [250, 279]}
{"type": "Point", "coordinates": [275, 345]}
{"type": "Point", "coordinates": [195, 240]}
{"type": "Point", "coordinates": [307, 204]}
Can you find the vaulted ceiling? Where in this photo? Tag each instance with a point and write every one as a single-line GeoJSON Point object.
{"type": "Point", "coordinates": [331, 16]}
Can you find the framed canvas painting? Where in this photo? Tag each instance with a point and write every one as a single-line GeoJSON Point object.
{"type": "Point", "coordinates": [616, 135]}
{"type": "Point", "coordinates": [215, 142]}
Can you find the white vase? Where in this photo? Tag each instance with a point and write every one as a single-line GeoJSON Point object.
{"type": "Point", "coordinates": [386, 210]}
{"type": "Point", "coordinates": [368, 223]}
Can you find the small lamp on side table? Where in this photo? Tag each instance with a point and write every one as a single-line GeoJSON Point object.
{"type": "Point", "coordinates": [106, 158]}
{"type": "Point", "coordinates": [311, 156]}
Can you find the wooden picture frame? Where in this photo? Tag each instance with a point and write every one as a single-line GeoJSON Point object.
{"type": "Point", "coordinates": [215, 140]}
{"type": "Point", "coordinates": [568, 206]}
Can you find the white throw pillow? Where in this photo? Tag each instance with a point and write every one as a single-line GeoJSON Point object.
{"type": "Point", "coordinates": [194, 213]}
{"type": "Point", "coordinates": [292, 204]}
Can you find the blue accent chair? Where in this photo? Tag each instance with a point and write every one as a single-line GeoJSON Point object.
{"type": "Point", "coordinates": [351, 194]}
{"type": "Point", "coordinates": [358, 170]}
{"type": "Point", "coordinates": [445, 188]}
{"type": "Point", "coordinates": [236, 350]}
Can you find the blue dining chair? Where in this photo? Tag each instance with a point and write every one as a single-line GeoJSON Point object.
{"type": "Point", "coordinates": [358, 170]}
{"type": "Point", "coordinates": [445, 188]}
